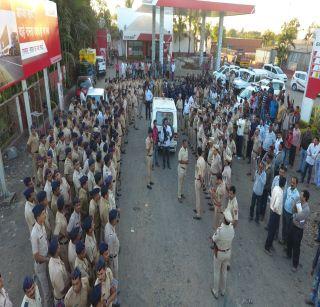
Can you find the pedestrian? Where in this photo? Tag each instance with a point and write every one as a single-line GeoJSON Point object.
{"type": "Point", "coordinates": [240, 131]}
{"type": "Point", "coordinates": [295, 144]}
{"type": "Point", "coordinates": [4, 296]}
{"type": "Point", "coordinates": [155, 137]}
{"type": "Point", "coordinates": [30, 196]}
{"type": "Point", "coordinates": [199, 182]}
{"type": "Point", "coordinates": [149, 154]}
{"type": "Point", "coordinates": [301, 212]}
{"type": "Point", "coordinates": [256, 151]}
{"type": "Point", "coordinates": [258, 186]}
{"type": "Point", "coordinates": [314, 296]}
{"type": "Point", "coordinates": [31, 291]}
{"type": "Point", "coordinates": [111, 238]}
{"type": "Point", "coordinates": [84, 197]}
{"type": "Point", "coordinates": [287, 146]}
{"type": "Point", "coordinates": [39, 243]}
{"type": "Point", "coordinates": [312, 153]}
{"type": "Point", "coordinates": [166, 135]}
{"type": "Point", "coordinates": [59, 276]}
{"type": "Point", "coordinates": [306, 139]}
{"type": "Point", "coordinates": [78, 294]}
{"type": "Point", "coordinates": [183, 162]}
{"type": "Point", "coordinates": [74, 236]}
{"type": "Point", "coordinates": [267, 187]}
{"type": "Point", "coordinates": [82, 262]}
{"type": "Point", "coordinates": [90, 241]}
{"type": "Point", "coordinates": [218, 195]}
{"type": "Point", "coordinates": [276, 206]}
{"type": "Point", "coordinates": [233, 205]}
{"type": "Point", "coordinates": [179, 105]}
{"type": "Point", "coordinates": [33, 148]}
{"type": "Point", "coordinates": [95, 214]}
{"type": "Point", "coordinates": [291, 196]}
{"type": "Point", "coordinates": [148, 102]}
{"type": "Point", "coordinates": [222, 240]}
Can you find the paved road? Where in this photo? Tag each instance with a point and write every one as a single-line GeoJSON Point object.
{"type": "Point", "coordinates": [12, 67]}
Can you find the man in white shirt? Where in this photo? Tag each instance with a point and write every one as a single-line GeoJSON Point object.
{"type": "Point", "coordinates": [30, 203]}
{"type": "Point", "coordinates": [4, 296]}
{"type": "Point", "coordinates": [173, 68]}
{"type": "Point", "coordinates": [312, 152]}
{"type": "Point", "coordinates": [82, 97]}
{"type": "Point", "coordinates": [276, 205]}
{"type": "Point", "coordinates": [240, 131]}
{"type": "Point", "coordinates": [148, 98]}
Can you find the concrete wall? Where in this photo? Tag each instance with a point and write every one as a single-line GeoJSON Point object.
{"type": "Point", "coordinates": [298, 60]}
{"type": "Point", "coordinates": [183, 45]}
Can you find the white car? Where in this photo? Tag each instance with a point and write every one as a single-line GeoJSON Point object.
{"type": "Point", "coordinates": [299, 81]}
{"type": "Point", "coordinates": [247, 92]}
{"type": "Point", "coordinates": [101, 65]}
{"type": "Point", "coordinates": [224, 71]}
{"type": "Point", "coordinates": [97, 94]}
{"type": "Point", "coordinates": [247, 77]}
{"type": "Point", "coordinates": [278, 85]}
{"type": "Point", "coordinates": [275, 72]}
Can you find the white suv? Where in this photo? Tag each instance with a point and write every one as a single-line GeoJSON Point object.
{"type": "Point", "coordinates": [275, 72]}
{"type": "Point", "coordinates": [299, 81]}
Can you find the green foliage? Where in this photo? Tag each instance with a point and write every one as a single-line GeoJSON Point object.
{"type": "Point", "coordinates": [268, 38]}
{"type": "Point", "coordinates": [243, 34]}
{"type": "Point", "coordinates": [129, 3]}
{"type": "Point", "coordinates": [215, 34]}
{"type": "Point", "coordinates": [285, 40]}
{"type": "Point", "coordinates": [179, 28]}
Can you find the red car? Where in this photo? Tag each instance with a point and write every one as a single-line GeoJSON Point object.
{"type": "Point", "coordinates": [83, 82]}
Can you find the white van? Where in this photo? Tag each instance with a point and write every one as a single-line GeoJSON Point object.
{"type": "Point", "coordinates": [96, 94]}
{"type": "Point", "coordinates": [248, 76]}
{"type": "Point", "coordinates": [299, 80]}
{"type": "Point", "coordinates": [101, 65]}
{"type": "Point", "coordinates": [165, 108]}
{"type": "Point", "coordinates": [275, 72]}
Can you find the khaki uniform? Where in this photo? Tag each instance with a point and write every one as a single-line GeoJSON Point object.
{"type": "Point", "coordinates": [33, 143]}
{"type": "Point", "coordinates": [84, 202]}
{"type": "Point", "coordinates": [219, 202]}
{"type": "Point", "coordinates": [59, 277]}
{"type": "Point", "coordinates": [104, 208]}
{"type": "Point", "coordinates": [149, 153]}
{"type": "Point", "coordinates": [61, 154]}
{"type": "Point", "coordinates": [198, 180]}
{"type": "Point", "coordinates": [179, 106]}
{"type": "Point", "coordinates": [111, 238]}
{"type": "Point", "coordinates": [80, 299]}
{"type": "Point", "coordinates": [84, 267]}
{"type": "Point", "coordinates": [95, 214]}
{"type": "Point", "coordinates": [60, 231]}
{"type": "Point", "coordinates": [29, 302]}
{"type": "Point", "coordinates": [39, 243]}
{"type": "Point", "coordinates": [226, 176]}
{"type": "Point", "coordinates": [42, 150]}
{"type": "Point", "coordinates": [223, 241]}
{"type": "Point", "coordinates": [245, 138]}
{"type": "Point", "coordinates": [91, 248]}
{"type": "Point", "coordinates": [53, 204]}
{"type": "Point", "coordinates": [254, 155]}
{"type": "Point", "coordinates": [233, 208]}
{"type": "Point", "coordinates": [182, 169]}
{"type": "Point", "coordinates": [216, 167]}
{"type": "Point", "coordinates": [72, 254]}
{"type": "Point", "coordinates": [68, 170]}
{"type": "Point", "coordinates": [28, 214]}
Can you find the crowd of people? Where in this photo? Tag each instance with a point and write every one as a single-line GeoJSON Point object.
{"type": "Point", "coordinates": [71, 207]}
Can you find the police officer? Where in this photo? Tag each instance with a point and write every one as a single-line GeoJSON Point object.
{"type": "Point", "coordinates": [198, 182]}
{"type": "Point", "coordinates": [111, 238]}
{"type": "Point", "coordinates": [182, 167]}
{"type": "Point", "coordinates": [222, 240]}
{"type": "Point", "coordinates": [32, 296]}
{"type": "Point", "coordinates": [149, 154]}
{"type": "Point", "coordinates": [39, 244]}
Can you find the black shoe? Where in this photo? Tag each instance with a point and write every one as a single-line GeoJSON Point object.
{"type": "Point", "coordinates": [196, 217]}
{"type": "Point", "coordinates": [194, 210]}
{"type": "Point", "coordinates": [250, 218]}
{"type": "Point", "coordinates": [149, 187]}
{"type": "Point", "coordinates": [183, 196]}
{"type": "Point", "coordinates": [257, 221]}
{"type": "Point", "coordinates": [179, 200]}
{"type": "Point", "coordinates": [164, 167]}
{"type": "Point", "coordinates": [118, 194]}
{"type": "Point", "coordinates": [151, 183]}
{"type": "Point", "coordinates": [123, 152]}
{"type": "Point", "coordinates": [169, 167]}
{"type": "Point", "coordinates": [157, 164]}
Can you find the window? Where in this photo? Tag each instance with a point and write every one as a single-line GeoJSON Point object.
{"type": "Point", "coordinates": [267, 67]}
{"type": "Point", "coordinates": [136, 48]}
{"type": "Point", "coordinates": [251, 79]}
{"type": "Point", "coordinates": [277, 86]}
{"type": "Point", "coordinates": [274, 71]}
{"type": "Point", "coordinates": [279, 70]}
{"type": "Point", "coordinates": [160, 116]}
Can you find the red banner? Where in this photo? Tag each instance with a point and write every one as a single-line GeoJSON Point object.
{"type": "Point", "coordinates": [29, 39]}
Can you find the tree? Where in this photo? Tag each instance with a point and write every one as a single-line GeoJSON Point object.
{"type": "Point", "coordinates": [268, 38]}
{"type": "Point", "coordinates": [179, 29]}
{"type": "Point", "coordinates": [309, 35]}
{"type": "Point", "coordinates": [195, 31]}
{"type": "Point", "coordinates": [215, 34]}
{"type": "Point", "coordinates": [232, 33]}
{"type": "Point", "coordinates": [207, 33]}
{"type": "Point", "coordinates": [285, 41]}
{"type": "Point", "coordinates": [189, 19]}
{"type": "Point", "coordinates": [129, 3]}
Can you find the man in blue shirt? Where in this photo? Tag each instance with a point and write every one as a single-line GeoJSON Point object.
{"type": "Point", "coordinates": [291, 196]}
{"type": "Point", "coordinates": [148, 97]}
{"type": "Point", "coordinates": [258, 186]}
{"type": "Point", "coordinates": [269, 140]}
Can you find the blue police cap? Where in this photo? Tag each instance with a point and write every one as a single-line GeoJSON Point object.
{"type": "Point", "coordinates": [87, 223]}
{"type": "Point", "coordinates": [83, 180]}
{"type": "Point", "coordinates": [108, 180]}
{"type": "Point", "coordinates": [103, 247]}
{"type": "Point", "coordinates": [27, 193]}
{"type": "Point", "coordinates": [76, 273]}
{"type": "Point", "coordinates": [113, 214]}
{"type": "Point", "coordinates": [53, 246]}
{"type": "Point", "coordinates": [49, 153]}
{"type": "Point", "coordinates": [95, 295]}
{"type": "Point", "coordinates": [60, 202]}
{"type": "Point", "coordinates": [74, 233]}
{"type": "Point", "coordinates": [80, 247]}
{"type": "Point", "coordinates": [67, 150]}
{"type": "Point", "coordinates": [60, 134]}
{"type": "Point", "coordinates": [41, 196]}
{"type": "Point", "coordinates": [27, 283]}
{"type": "Point", "coordinates": [37, 210]}
{"type": "Point", "coordinates": [100, 264]}
{"type": "Point", "coordinates": [26, 181]}
{"type": "Point", "coordinates": [91, 161]}
{"type": "Point", "coordinates": [95, 191]}
{"type": "Point", "coordinates": [55, 185]}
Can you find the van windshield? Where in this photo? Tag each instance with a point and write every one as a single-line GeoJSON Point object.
{"type": "Point", "coordinates": [160, 116]}
{"type": "Point", "coordinates": [244, 75]}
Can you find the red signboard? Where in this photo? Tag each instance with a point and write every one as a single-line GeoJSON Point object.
{"type": "Point", "coordinates": [102, 43]}
{"type": "Point", "coordinates": [30, 30]}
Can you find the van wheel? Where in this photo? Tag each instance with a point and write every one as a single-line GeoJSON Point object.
{"type": "Point", "coordinates": [294, 87]}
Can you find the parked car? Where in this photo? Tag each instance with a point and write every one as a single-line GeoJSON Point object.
{"type": "Point", "coordinates": [275, 72]}
{"type": "Point", "coordinates": [299, 80]}
{"type": "Point", "coordinates": [246, 77]}
{"type": "Point", "coordinates": [83, 82]}
{"type": "Point", "coordinates": [278, 85]}
{"type": "Point", "coordinates": [100, 65]}
{"type": "Point", "coordinates": [166, 108]}
{"type": "Point", "coordinates": [247, 92]}
{"type": "Point", "coordinates": [224, 71]}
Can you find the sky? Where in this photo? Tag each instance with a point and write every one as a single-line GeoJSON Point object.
{"type": "Point", "coordinates": [269, 14]}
